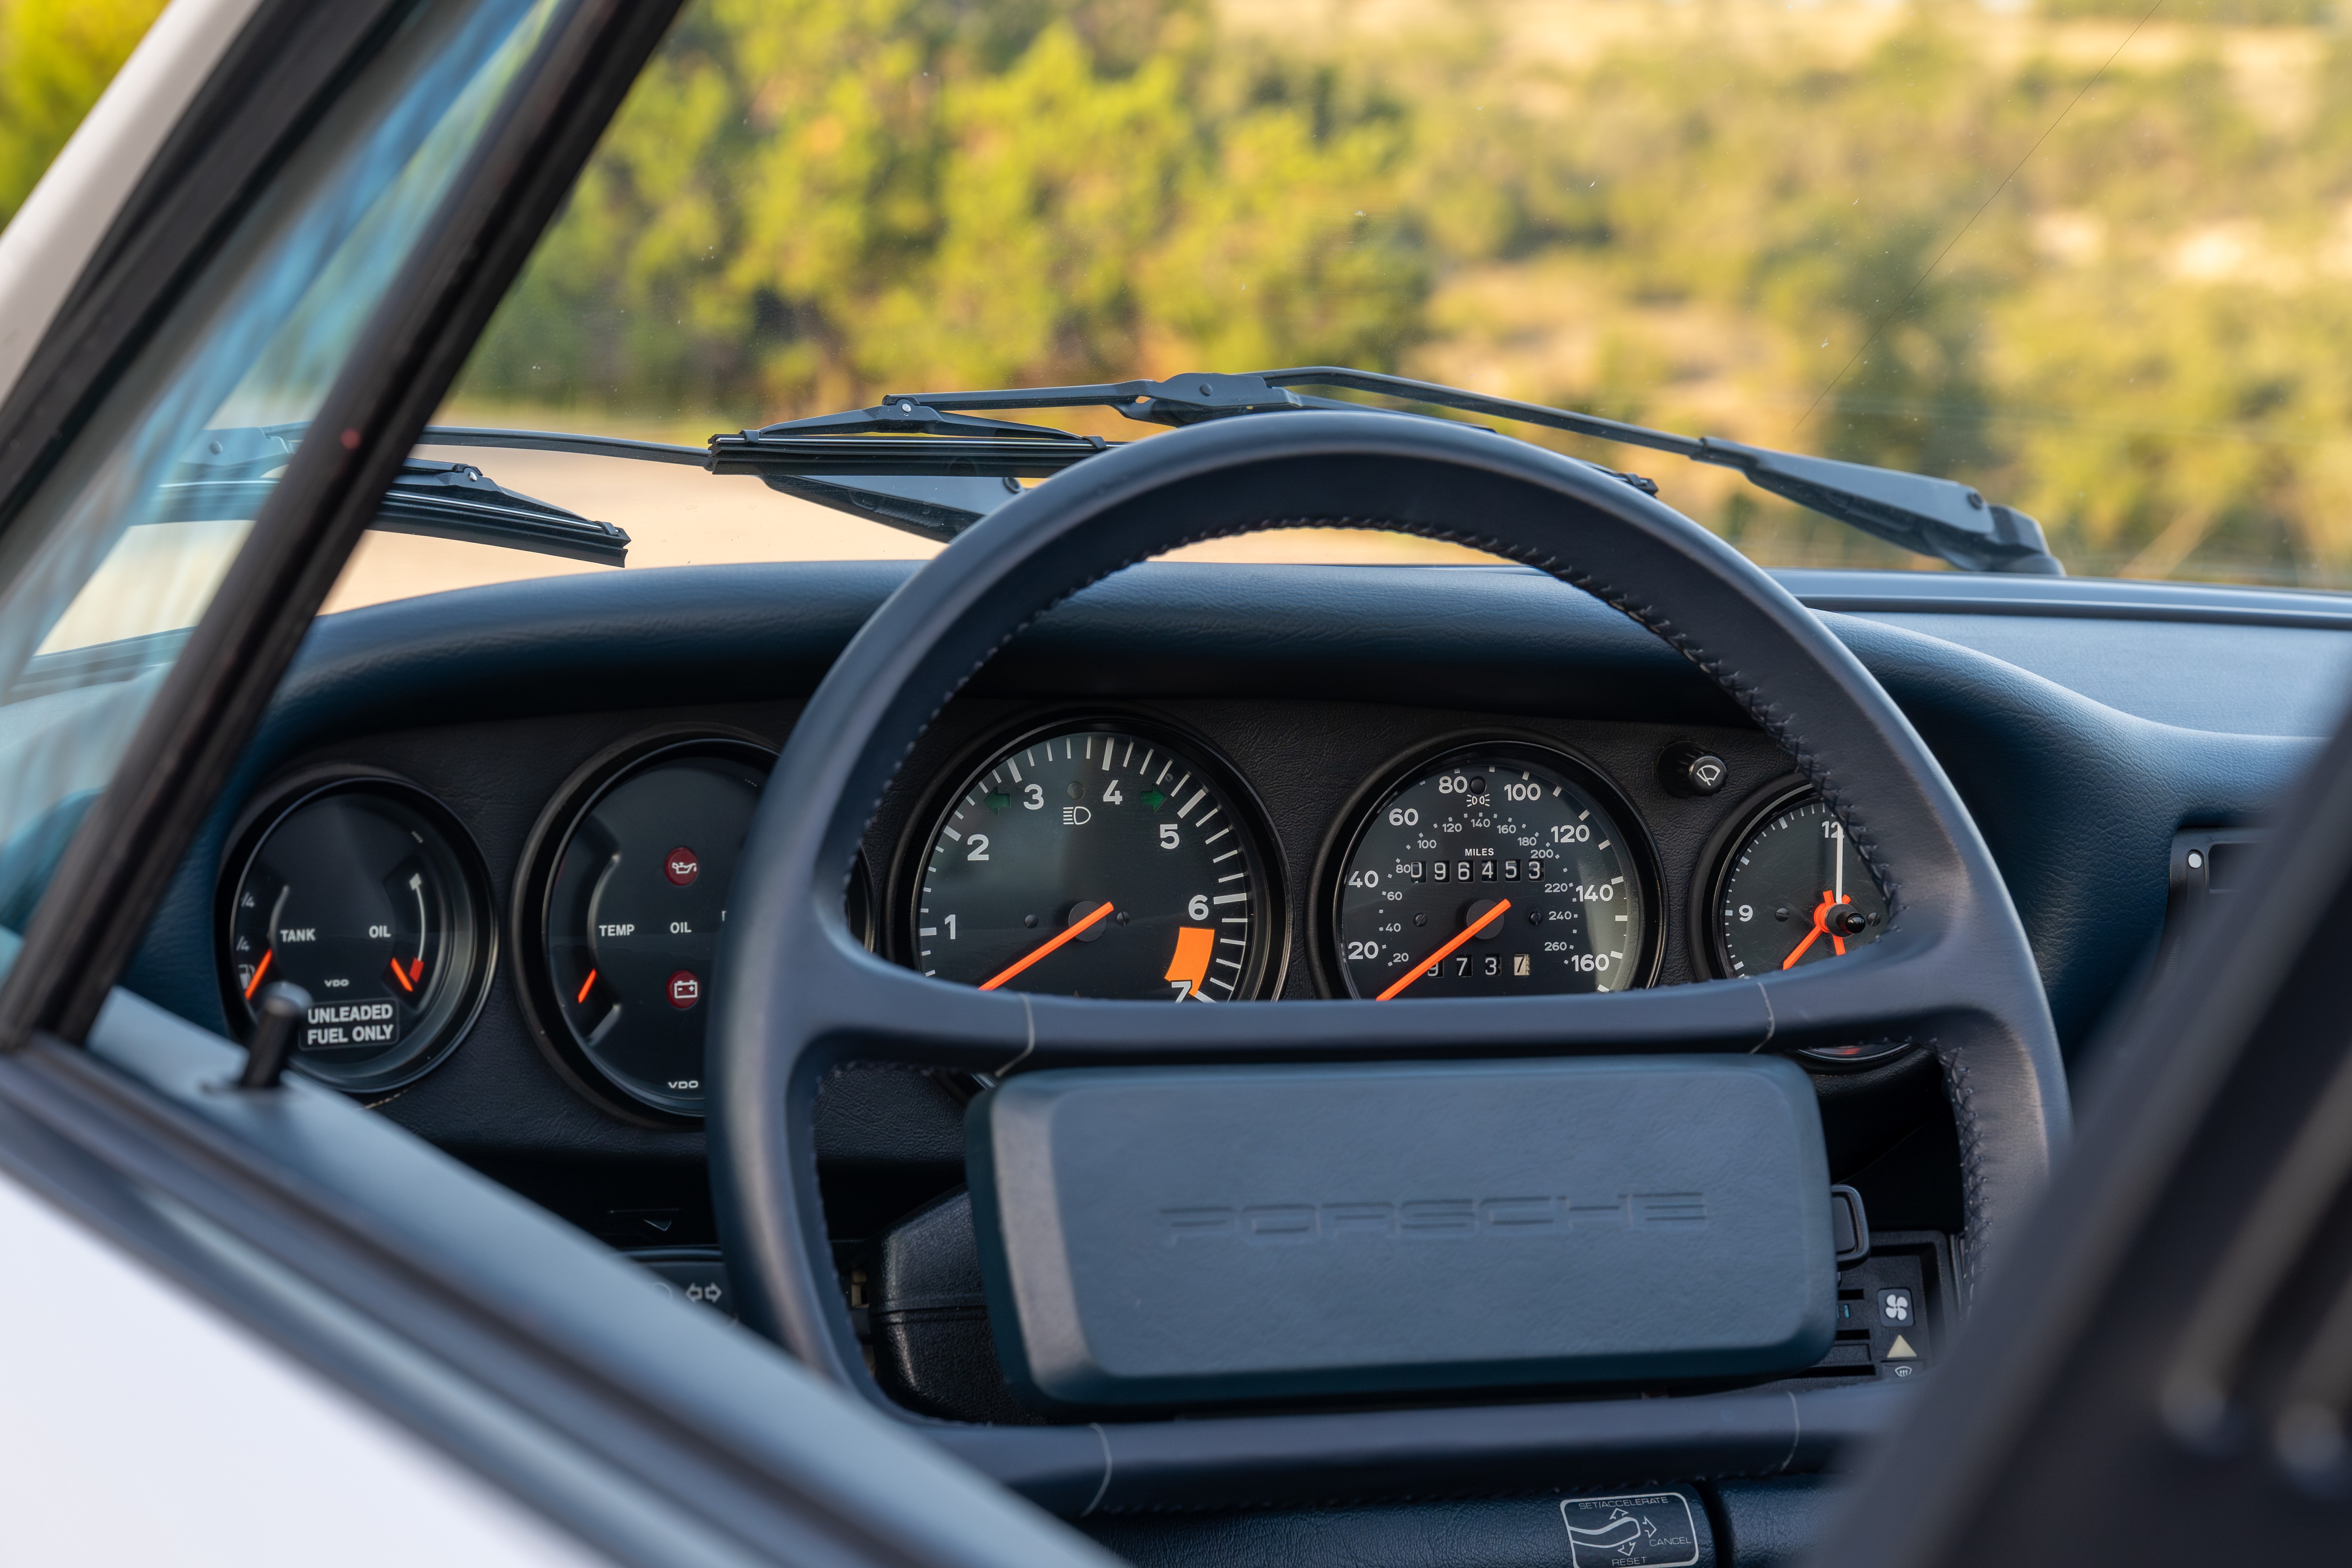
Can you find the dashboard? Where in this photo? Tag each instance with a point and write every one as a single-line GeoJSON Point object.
{"type": "Point", "coordinates": [490, 834]}
{"type": "Point", "coordinates": [1113, 852]}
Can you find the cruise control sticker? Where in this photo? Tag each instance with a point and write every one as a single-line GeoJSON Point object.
{"type": "Point", "coordinates": [1653, 1530]}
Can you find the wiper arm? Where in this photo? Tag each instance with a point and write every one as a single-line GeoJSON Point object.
{"type": "Point", "coordinates": [1925, 515]}
{"type": "Point", "coordinates": [221, 475]}
{"type": "Point", "coordinates": [925, 433]}
{"type": "Point", "coordinates": [923, 462]}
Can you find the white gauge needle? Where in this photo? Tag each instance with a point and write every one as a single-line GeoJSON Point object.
{"type": "Point", "coordinates": [1839, 884]}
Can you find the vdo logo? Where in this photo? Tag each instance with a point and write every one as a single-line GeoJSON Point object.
{"type": "Point", "coordinates": [1431, 1219]}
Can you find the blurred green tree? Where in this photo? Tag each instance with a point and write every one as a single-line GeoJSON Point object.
{"type": "Point", "coordinates": [56, 57]}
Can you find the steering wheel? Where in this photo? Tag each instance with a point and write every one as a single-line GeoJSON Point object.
{"type": "Point", "coordinates": [798, 995]}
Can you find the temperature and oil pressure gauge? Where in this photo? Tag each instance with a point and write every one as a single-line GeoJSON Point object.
{"type": "Point", "coordinates": [619, 910]}
{"type": "Point", "coordinates": [368, 894]}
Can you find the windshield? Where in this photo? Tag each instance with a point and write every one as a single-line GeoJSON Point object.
{"type": "Point", "coordinates": [122, 546]}
{"type": "Point", "coordinates": [2090, 258]}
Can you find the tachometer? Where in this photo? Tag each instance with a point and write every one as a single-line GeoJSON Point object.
{"type": "Point", "coordinates": [366, 893]}
{"type": "Point", "coordinates": [1792, 891]}
{"type": "Point", "coordinates": [1099, 861]}
{"type": "Point", "coordinates": [1497, 870]}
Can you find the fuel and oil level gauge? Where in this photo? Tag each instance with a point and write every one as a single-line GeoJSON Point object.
{"type": "Point", "coordinates": [1792, 891]}
{"type": "Point", "coordinates": [367, 894]}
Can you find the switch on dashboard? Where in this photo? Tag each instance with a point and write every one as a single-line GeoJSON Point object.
{"type": "Point", "coordinates": [699, 1274]}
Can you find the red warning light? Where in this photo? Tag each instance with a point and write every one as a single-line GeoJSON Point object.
{"type": "Point", "coordinates": [685, 990]}
{"type": "Point", "coordinates": [682, 865]}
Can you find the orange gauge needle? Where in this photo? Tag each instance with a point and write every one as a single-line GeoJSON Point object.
{"type": "Point", "coordinates": [581, 1000]}
{"type": "Point", "coordinates": [1038, 952]}
{"type": "Point", "coordinates": [402, 975]}
{"type": "Point", "coordinates": [1821, 928]}
{"type": "Point", "coordinates": [1443, 954]}
{"type": "Point", "coordinates": [260, 970]}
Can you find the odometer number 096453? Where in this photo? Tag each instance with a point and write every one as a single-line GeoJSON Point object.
{"type": "Point", "coordinates": [1496, 871]}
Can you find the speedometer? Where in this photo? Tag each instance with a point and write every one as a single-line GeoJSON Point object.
{"type": "Point", "coordinates": [1496, 870]}
{"type": "Point", "coordinates": [1098, 860]}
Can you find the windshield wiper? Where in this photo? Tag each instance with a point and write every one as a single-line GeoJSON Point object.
{"type": "Point", "coordinates": [221, 475]}
{"type": "Point", "coordinates": [871, 452]}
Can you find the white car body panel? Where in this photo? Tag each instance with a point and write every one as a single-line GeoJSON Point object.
{"type": "Point", "coordinates": [138, 1426]}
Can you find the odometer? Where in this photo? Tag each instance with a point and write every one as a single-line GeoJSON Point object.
{"type": "Point", "coordinates": [1498, 870]}
{"type": "Point", "coordinates": [1098, 861]}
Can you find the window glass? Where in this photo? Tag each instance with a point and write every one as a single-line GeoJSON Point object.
{"type": "Point", "coordinates": [122, 548]}
{"type": "Point", "coordinates": [2092, 257]}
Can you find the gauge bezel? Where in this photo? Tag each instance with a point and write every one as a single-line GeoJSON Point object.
{"type": "Point", "coordinates": [475, 923]}
{"type": "Point", "coordinates": [1766, 802]}
{"type": "Point", "coordinates": [912, 853]}
{"type": "Point", "coordinates": [535, 881]}
{"type": "Point", "coordinates": [1357, 814]}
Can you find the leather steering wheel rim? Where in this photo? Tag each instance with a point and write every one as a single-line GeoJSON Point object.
{"type": "Point", "coordinates": [796, 994]}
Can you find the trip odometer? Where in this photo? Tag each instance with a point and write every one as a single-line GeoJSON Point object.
{"type": "Point", "coordinates": [1097, 862]}
{"type": "Point", "coordinates": [1498, 870]}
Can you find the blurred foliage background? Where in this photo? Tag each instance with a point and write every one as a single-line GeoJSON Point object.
{"type": "Point", "coordinates": [56, 57]}
{"type": "Point", "coordinates": [2092, 257]}
{"type": "Point", "coordinates": [1732, 216]}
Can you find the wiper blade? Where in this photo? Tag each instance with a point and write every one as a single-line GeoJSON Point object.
{"type": "Point", "coordinates": [924, 433]}
{"type": "Point", "coordinates": [221, 475]}
{"type": "Point", "coordinates": [457, 501]}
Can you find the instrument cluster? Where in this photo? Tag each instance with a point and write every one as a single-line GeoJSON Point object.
{"type": "Point", "coordinates": [1104, 855]}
